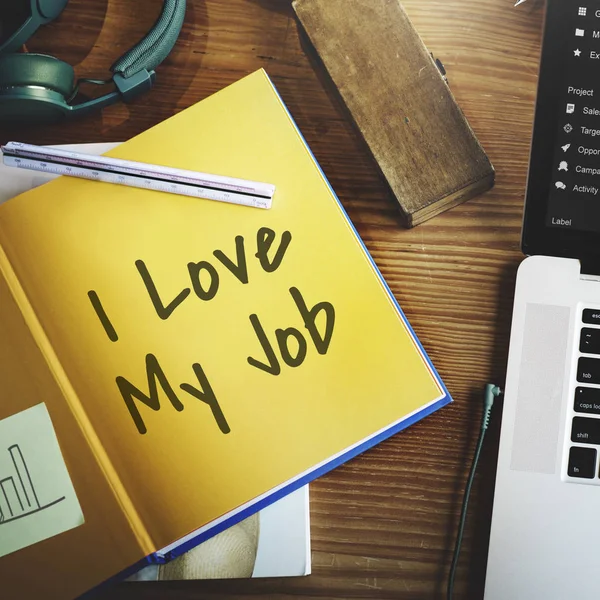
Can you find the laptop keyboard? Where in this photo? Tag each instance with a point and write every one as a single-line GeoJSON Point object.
{"type": "Point", "coordinates": [585, 426]}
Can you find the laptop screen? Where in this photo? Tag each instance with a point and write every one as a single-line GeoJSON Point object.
{"type": "Point", "coordinates": [562, 206]}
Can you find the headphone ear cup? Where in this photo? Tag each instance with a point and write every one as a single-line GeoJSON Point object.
{"type": "Point", "coordinates": [36, 71]}
{"type": "Point", "coordinates": [34, 88]}
{"type": "Point", "coordinates": [50, 9]}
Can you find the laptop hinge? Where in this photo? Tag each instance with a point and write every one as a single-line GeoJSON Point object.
{"type": "Point", "coordinates": [590, 270]}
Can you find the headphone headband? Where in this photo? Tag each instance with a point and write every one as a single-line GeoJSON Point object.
{"type": "Point", "coordinates": [157, 43]}
{"type": "Point", "coordinates": [133, 73]}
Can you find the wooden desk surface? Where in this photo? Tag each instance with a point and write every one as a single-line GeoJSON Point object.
{"type": "Point", "coordinates": [383, 525]}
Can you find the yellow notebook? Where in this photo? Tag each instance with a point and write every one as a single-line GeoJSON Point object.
{"type": "Point", "coordinates": [190, 361]}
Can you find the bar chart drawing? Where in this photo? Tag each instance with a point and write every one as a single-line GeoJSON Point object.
{"type": "Point", "coordinates": [18, 494]}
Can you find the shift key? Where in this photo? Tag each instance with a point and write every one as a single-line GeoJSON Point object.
{"type": "Point", "coordinates": [585, 430]}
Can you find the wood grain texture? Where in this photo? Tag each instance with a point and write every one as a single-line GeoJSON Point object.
{"type": "Point", "coordinates": [400, 103]}
{"type": "Point", "coordinates": [383, 525]}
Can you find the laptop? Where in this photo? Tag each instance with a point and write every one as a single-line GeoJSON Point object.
{"type": "Point", "coordinates": [545, 531]}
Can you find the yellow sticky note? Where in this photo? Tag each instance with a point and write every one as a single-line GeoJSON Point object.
{"type": "Point", "coordinates": [37, 498]}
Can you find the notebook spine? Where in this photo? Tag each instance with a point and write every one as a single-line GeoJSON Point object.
{"type": "Point", "coordinates": [74, 403]}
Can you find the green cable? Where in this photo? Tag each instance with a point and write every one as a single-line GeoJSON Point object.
{"type": "Point", "coordinates": [491, 391]}
{"type": "Point", "coordinates": [86, 80]}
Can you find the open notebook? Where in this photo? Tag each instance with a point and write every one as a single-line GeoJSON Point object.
{"type": "Point", "coordinates": [193, 361]}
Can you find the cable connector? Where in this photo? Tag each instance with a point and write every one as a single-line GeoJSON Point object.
{"type": "Point", "coordinates": [491, 392]}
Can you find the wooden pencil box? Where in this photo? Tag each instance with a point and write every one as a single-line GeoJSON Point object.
{"type": "Point", "coordinates": [400, 103]}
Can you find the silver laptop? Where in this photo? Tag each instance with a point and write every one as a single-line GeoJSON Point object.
{"type": "Point", "coordinates": [545, 532]}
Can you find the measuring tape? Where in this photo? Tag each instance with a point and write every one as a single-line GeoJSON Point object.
{"type": "Point", "coordinates": [136, 174]}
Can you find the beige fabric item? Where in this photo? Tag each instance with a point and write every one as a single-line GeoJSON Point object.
{"type": "Point", "coordinates": [230, 554]}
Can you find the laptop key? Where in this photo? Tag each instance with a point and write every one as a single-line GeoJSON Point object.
{"type": "Point", "coordinates": [588, 370]}
{"type": "Point", "coordinates": [585, 430]}
{"type": "Point", "coordinates": [589, 342]}
{"type": "Point", "coordinates": [591, 316]}
{"type": "Point", "coordinates": [582, 462]}
{"type": "Point", "coordinates": [587, 400]}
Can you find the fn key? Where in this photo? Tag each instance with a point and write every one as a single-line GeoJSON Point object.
{"type": "Point", "coordinates": [582, 462]}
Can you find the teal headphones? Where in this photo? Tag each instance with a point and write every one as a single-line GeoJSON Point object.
{"type": "Point", "coordinates": [36, 88]}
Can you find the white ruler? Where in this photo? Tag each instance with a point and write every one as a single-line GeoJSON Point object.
{"type": "Point", "coordinates": [142, 175]}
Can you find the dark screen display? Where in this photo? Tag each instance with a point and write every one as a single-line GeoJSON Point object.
{"type": "Point", "coordinates": [574, 199]}
{"type": "Point", "coordinates": [562, 209]}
